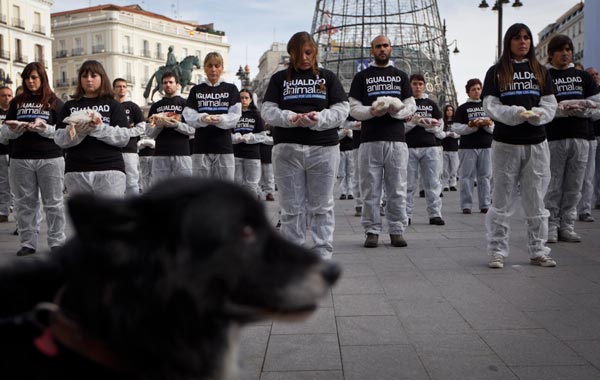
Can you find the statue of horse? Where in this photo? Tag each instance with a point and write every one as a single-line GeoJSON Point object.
{"type": "Point", "coordinates": [183, 70]}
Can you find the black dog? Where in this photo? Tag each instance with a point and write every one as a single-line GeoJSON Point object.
{"type": "Point", "coordinates": [154, 287]}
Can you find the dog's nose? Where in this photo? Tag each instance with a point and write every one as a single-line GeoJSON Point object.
{"type": "Point", "coordinates": [331, 272]}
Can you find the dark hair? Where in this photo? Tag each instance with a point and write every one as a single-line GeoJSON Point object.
{"type": "Point", "coordinates": [252, 106]}
{"type": "Point", "coordinates": [294, 49]}
{"type": "Point", "coordinates": [93, 67]}
{"type": "Point", "coordinates": [169, 74]}
{"type": "Point", "coordinates": [446, 107]}
{"type": "Point", "coordinates": [418, 77]}
{"type": "Point", "coordinates": [117, 80]}
{"type": "Point", "coordinates": [557, 43]}
{"type": "Point", "coordinates": [505, 67]}
{"type": "Point", "coordinates": [47, 97]}
{"type": "Point", "coordinates": [471, 83]}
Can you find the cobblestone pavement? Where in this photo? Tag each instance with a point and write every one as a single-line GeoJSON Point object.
{"type": "Point", "coordinates": [433, 310]}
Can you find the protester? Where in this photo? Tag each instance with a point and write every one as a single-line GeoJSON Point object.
{"type": "Point", "coordinates": [305, 104]}
{"type": "Point", "coordinates": [345, 176]}
{"type": "Point", "coordinates": [383, 154]}
{"type": "Point", "coordinates": [475, 128]}
{"type": "Point", "coordinates": [267, 179]}
{"type": "Point", "coordinates": [6, 96]}
{"type": "Point", "coordinates": [450, 147]}
{"type": "Point", "coordinates": [518, 96]}
{"type": "Point", "coordinates": [94, 159]}
{"type": "Point", "coordinates": [37, 165]}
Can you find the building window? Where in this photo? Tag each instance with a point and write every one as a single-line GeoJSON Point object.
{"type": "Point", "coordinates": [17, 21]}
{"type": "Point", "coordinates": [62, 49]}
{"type": "Point", "coordinates": [185, 53]}
{"type": "Point", "coordinates": [146, 49]}
{"type": "Point", "coordinates": [39, 54]}
{"type": "Point", "coordinates": [77, 46]}
{"type": "Point", "coordinates": [159, 52]}
{"type": "Point", "coordinates": [19, 57]}
{"type": "Point", "coordinates": [98, 46]}
{"type": "Point", "coordinates": [37, 23]}
{"type": "Point", "coordinates": [127, 49]}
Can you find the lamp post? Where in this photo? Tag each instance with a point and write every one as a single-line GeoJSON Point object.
{"type": "Point", "coordinates": [498, 7]}
{"type": "Point", "coordinates": [455, 43]}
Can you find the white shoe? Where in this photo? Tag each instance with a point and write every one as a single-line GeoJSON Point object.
{"type": "Point", "coordinates": [543, 261]}
{"type": "Point", "coordinates": [569, 236]}
{"type": "Point", "coordinates": [497, 261]}
{"type": "Point", "coordinates": [552, 235]}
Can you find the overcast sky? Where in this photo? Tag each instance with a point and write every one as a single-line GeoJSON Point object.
{"type": "Point", "coordinates": [252, 26]}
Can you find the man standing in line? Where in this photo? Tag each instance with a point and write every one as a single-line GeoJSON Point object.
{"type": "Point", "coordinates": [6, 96]}
{"type": "Point", "coordinates": [136, 124]}
{"type": "Point", "coordinates": [172, 150]}
{"type": "Point", "coordinates": [383, 154]}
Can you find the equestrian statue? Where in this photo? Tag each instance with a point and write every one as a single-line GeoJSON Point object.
{"type": "Point", "coordinates": [183, 70]}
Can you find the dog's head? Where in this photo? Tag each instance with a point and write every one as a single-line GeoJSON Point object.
{"type": "Point", "coordinates": [189, 256]}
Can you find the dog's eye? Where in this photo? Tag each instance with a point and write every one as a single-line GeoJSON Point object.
{"type": "Point", "coordinates": [248, 234]}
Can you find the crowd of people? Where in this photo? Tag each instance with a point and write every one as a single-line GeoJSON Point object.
{"type": "Point", "coordinates": [528, 130]}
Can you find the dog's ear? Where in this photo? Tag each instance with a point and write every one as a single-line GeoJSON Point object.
{"type": "Point", "coordinates": [96, 218]}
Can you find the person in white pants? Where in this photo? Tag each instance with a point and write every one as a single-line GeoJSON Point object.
{"type": "Point", "coordinates": [146, 147]}
{"type": "Point", "coordinates": [356, 132]}
{"type": "Point", "coordinates": [381, 98]}
{"type": "Point", "coordinates": [267, 179]}
{"type": "Point", "coordinates": [520, 154]}
{"type": "Point", "coordinates": [6, 96]}
{"type": "Point", "coordinates": [345, 176]}
{"type": "Point", "coordinates": [450, 146]}
{"type": "Point", "coordinates": [476, 129]}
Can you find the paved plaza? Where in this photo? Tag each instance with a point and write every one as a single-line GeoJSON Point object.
{"type": "Point", "coordinates": [433, 310]}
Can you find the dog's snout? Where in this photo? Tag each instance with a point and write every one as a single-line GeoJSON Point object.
{"type": "Point", "coordinates": [331, 272]}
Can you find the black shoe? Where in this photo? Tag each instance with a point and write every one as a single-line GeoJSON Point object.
{"type": "Point", "coordinates": [397, 240]}
{"type": "Point", "coordinates": [342, 197]}
{"type": "Point", "coordinates": [452, 188]}
{"type": "Point", "coordinates": [445, 189]}
{"type": "Point", "coordinates": [278, 226]}
{"type": "Point", "coordinates": [437, 221]}
{"type": "Point", "coordinates": [358, 211]}
{"type": "Point", "coordinates": [16, 232]}
{"type": "Point", "coordinates": [371, 241]}
{"type": "Point", "coordinates": [409, 221]}
{"type": "Point", "coordinates": [483, 210]}
{"type": "Point", "coordinates": [441, 195]}
{"type": "Point", "coordinates": [25, 251]}
{"type": "Point", "coordinates": [350, 196]}
{"type": "Point", "coordinates": [3, 218]}
{"type": "Point", "coordinates": [466, 210]}
{"type": "Point", "coordinates": [422, 194]}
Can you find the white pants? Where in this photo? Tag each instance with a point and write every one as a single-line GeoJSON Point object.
{"type": "Point", "coordinates": [267, 180]}
{"type": "Point", "coordinates": [475, 164]}
{"type": "Point", "coordinates": [383, 164]}
{"type": "Point", "coordinates": [356, 189]}
{"type": "Point", "coordinates": [428, 161]}
{"type": "Point", "coordinates": [345, 174]}
{"type": "Point", "coordinates": [529, 166]}
{"type": "Point", "coordinates": [247, 174]}
{"type": "Point", "coordinates": [450, 169]}
{"type": "Point", "coordinates": [220, 166]}
{"type": "Point", "coordinates": [106, 183]}
{"type": "Point", "coordinates": [145, 172]}
{"type": "Point", "coordinates": [165, 167]}
{"type": "Point", "coordinates": [132, 173]}
{"type": "Point", "coordinates": [305, 176]}
{"type": "Point", "coordinates": [568, 161]}
{"type": "Point", "coordinates": [30, 180]}
{"type": "Point", "coordinates": [5, 196]}
{"type": "Point", "coordinates": [587, 188]}
{"type": "Point", "coordinates": [597, 175]}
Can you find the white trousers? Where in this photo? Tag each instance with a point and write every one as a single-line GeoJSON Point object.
{"type": "Point", "coordinates": [165, 167]}
{"type": "Point", "coordinates": [587, 189]}
{"type": "Point", "coordinates": [450, 171]}
{"type": "Point", "coordinates": [106, 183]}
{"type": "Point", "coordinates": [475, 164]}
{"type": "Point", "coordinates": [428, 162]}
{"type": "Point", "coordinates": [247, 174]}
{"type": "Point", "coordinates": [220, 166]}
{"type": "Point", "coordinates": [132, 173]}
{"type": "Point", "coordinates": [346, 170]}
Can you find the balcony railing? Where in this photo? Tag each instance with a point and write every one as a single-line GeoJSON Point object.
{"type": "Point", "coordinates": [61, 53]}
{"type": "Point", "coordinates": [96, 49]}
{"type": "Point", "coordinates": [130, 79]}
{"type": "Point", "coordinates": [39, 29]}
{"type": "Point", "coordinates": [42, 61]}
{"type": "Point", "coordinates": [3, 19]}
{"type": "Point", "coordinates": [146, 53]}
{"type": "Point", "coordinates": [4, 54]}
{"type": "Point", "coordinates": [77, 51]}
{"type": "Point", "coordinates": [20, 58]}
{"type": "Point", "coordinates": [62, 83]}
{"type": "Point", "coordinates": [160, 56]}
{"type": "Point", "coordinates": [18, 23]}
{"type": "Point", "coordinates": [127, 50]}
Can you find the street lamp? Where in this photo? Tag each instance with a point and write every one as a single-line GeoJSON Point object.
{"type": "Point", "coordinates": [5, 79]}
{"type": "Point", "coordinates": [498, 7]}
{"type": "Point", "coordinates": [455, 43]}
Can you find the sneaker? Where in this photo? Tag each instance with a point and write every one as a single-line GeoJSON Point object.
{"type": "Point", "coordinates": [371, 241]}
{"type": "Point", "coordinates": [358, 211]}
{"type": "Point", "coordinates": [25, 251]}
{"type": "Point", "coordinates": [552, 235]}
{"type": "Point", "coordinates": [543, 261]}
{"type": "Point", "coordinates": [350, 196]}
{"type": "Point", "coordinates": [441, 195]}
{"type": "Point", "coordinates": [397, 240]}
{"type": "Point", "coordinates": [452, 188]}
{"type": "Point", "coordinates": [342, 197]}
{"type": "Point", "coordinates": [466, 210]}
{"type": "Point", "coordinates": [437, 221]}
{"type": "Point", "coordinates": [446, 189]}
{"type": "Point", "coordinates": [569, 236]}
{"type": "Point", "coordinates": [422, 194]}
{"type": "Point", "coordinates": [497, 261]}
{"type": "Point", "coordinates": [582, 217]}
{"type": "Point", "coordinates": [270, 197]}
{"type": "Point", "coordinates": [3, 218]}
{"type": "Point", "coordinates": [381, 210]}
{"type": "Point", "coordinates": [483, 210]}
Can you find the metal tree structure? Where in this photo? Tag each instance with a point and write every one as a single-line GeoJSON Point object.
{"type": "Point", "coordinates": [344, 29]}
